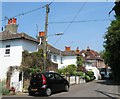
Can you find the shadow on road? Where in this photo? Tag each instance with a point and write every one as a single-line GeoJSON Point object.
{"type": "Point", "coordinates": [108, 82]}
{"type": "Point", "coordinates": [107, 94]}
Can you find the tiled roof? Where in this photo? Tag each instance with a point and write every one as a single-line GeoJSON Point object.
{"type": "Point", "coordinates": [6, 35]}
{"type": "Point", "coordinates": [57, 51]}
{"type": "Point", "coordinates": [91, 55]}
{"type": "Point", "coordinates": [70, 53]}
{"type": "Point", "coordinates": [51, 49]}
{"type": "Point", "coordinates": [54, 50]}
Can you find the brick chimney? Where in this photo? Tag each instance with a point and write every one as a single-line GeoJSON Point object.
{"type": "Point", "coordinates": [77, 50]}
{"type": "Point", "coordinates": [67, 48]}
{"type": "Point", "coordinates": [42, 33]}
{"type": "Point", "coordinates": [40, 37]}
{"type": "Point", "coordinates": [88, 49]}
{"type": "Point", "coordinates": [12, 25]}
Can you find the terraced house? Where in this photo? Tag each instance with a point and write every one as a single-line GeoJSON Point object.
{"type": "Point", "coordinates": [13, 43]}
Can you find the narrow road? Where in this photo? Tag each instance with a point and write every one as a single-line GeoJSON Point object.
{"type": "Point", "coordinates": [100, 88]}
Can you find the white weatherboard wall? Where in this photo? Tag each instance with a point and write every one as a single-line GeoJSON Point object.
{"type": "Point", "coordinates": [17, 46]}
{"type": "Point", "coordinates": [68, 60]}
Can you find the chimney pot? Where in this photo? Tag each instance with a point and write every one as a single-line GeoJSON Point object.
{"type": "Point", "coordinates": [67, 48]}
{"type": "Point", "coordinates": [13, 20]}
{"type": "Point", "coordinates": [9, 21]}
{"type": "Point", "coordinates": [42, 33]}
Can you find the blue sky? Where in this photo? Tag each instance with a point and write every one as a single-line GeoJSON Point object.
{"type": "Point", "coordinates": [80, 34]}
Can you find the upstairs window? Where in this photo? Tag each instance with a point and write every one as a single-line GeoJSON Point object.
{"type": "Point", "coordinates": [55, 58]}
{"type": "Point", "coordinates": [7, 50]}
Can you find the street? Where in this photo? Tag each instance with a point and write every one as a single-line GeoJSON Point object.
{"type": "Point", "coordinates": [100, 88]}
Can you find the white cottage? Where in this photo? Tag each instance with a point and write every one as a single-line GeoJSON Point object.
{"type": "Point", "coordinates": [62, 58]}
{"type": "Point", "coordinates": [12, 44]}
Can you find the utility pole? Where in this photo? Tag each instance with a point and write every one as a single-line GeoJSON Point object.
{"type": "Point", "coordinates": [45, 39]}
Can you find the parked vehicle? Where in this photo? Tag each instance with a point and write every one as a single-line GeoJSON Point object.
{"type": "Point", "coordinates": [47, 83]}
{"type": "Point", "coordinates": [106, 73]}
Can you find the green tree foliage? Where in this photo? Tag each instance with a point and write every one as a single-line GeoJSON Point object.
{"type": "Point", "coordinates": [89, 76]}
{"type": "Point", "coordinates": [104, 55]}
{"type": "Point", "coordinates": [69, 70]}
{"type": "Point", "coordinates": [32, 62]}
{"type": "Point", "coordinates": [112, 48]}
{"type": "Point", "coordinates": [79, 63]}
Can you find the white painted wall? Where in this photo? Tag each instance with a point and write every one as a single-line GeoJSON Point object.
{"type": "Point", "coordinates": [67, 60]}
{"type": "Point", "coordinates": [13, 59]}
{"type": "Point", "coordinates": [17, 46]}
{"type": "Point", "coordinates": [29, 45]}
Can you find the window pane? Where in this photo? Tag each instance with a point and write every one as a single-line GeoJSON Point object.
{"type": "Point", "coordinates": [7, 46]}
{"type": "Point", "coordinates": [7, 51]}
{"type": "Point", "coordinates": [58, 77]}
{"type": "Point", "coordinates": [55, 58]}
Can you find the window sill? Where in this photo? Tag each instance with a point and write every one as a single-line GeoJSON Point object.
{"type": "Point", "coordinates": [6, 55]}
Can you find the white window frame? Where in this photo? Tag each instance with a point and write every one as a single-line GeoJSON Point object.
{"type": "Point", "coordinates": [55, 58]}
{"type": "Point", "coordinates": [7, 50]}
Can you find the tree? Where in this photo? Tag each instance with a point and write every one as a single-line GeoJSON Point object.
{"type": "Point", "coordinates": [112, 47]}
{"type": "Point", "coordinates": [104, 55]}
{"type": "Point", "coordinates": [79, 63]}
{"type": "Point", "coordinates": [71, 69]}
{"type": "Point", "coordinates": [32, 62]}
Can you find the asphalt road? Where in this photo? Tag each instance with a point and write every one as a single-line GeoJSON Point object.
{"type": "Point", "coordinates": [100, 88]}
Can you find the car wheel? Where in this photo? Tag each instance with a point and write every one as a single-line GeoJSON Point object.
{"type": "Point", "coordinates": [66, 88]}
{"type": "Point", "coordinates": [48, 92]}
{"type": "Point", "coordinates": [31, 94]}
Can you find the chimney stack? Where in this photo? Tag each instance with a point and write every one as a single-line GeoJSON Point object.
{"type": "Point", "coordinates": [67, 48]}
{"type": "Point", "coordinates": [40, 37]}
{"type": "Point", "coordinates": [41, 34]}
{"type": "Point", "coordinates": [88, 49]}
{"type": "Point", "coordinates": [12, 25]}
{"type": "Point", "coordinates": [77, 50]}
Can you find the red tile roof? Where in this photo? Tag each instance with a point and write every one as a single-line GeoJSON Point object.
{"type": "Point", "coordinates": [91, 54]}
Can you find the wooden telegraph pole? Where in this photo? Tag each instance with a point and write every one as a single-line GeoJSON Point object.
{"type": "Point", "coordinates": [45, 38]}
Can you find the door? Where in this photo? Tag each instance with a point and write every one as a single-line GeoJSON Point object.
{"type": "Point", "coordinates": [59, 82]}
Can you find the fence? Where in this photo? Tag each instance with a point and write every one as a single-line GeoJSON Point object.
{"type": "Point", "coordinates": [75, 80]}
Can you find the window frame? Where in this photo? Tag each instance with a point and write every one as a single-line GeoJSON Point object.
{"type": "Point", "coordinates": [55, 58]}
{"type": "Point", "coordinates": [7, 50]}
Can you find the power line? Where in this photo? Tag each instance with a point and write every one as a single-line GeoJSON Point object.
{"type": "Point", "coordinates": [71, 21]}
{"type": "Point", "coordinates": [27, 12]}
{"type": "Point", "coordinates": [95, 20]}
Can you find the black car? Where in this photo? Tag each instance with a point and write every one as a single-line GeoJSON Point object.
{"type": "Point", "coordinates": [47, 83]}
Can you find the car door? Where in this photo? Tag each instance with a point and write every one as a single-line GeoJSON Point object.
{"type": "Point", "coordinates": [51, 81]}
{"type": "Point", "coordinates": [59, 82]}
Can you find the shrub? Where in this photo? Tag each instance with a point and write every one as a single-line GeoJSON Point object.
{"type": "Point", "coordinates": [87, 78]}
{"type": "Point", "coordinates": [90, 74]}
{"type": "Point", "coordinates": [5, 91]}
{"type": "Point", "coordinates": [71, 69]}
{"type": "Point", "coordinates": [80, 73]}
{"type": "Point", "coordinates": [62, 71]}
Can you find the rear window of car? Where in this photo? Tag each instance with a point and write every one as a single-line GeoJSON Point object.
{"type": "Point", "coordinates": [36, 77]}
